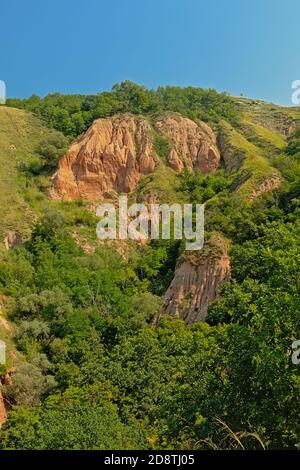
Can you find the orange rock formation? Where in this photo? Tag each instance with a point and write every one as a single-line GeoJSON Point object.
{"type": "Point", "coordinates": [115, 152]}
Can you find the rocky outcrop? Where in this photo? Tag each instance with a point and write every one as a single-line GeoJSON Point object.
{"type": "Point", "coordinates": [3, 412]}
{"type": "Point", "coordinates": [112, 155]}
{"type": "Point", "coordinates": [232, 158]}
{"type": "Point", "coordinates": [277, 122]}
{"type": "Point", "coordinates": [4, 380]}
{"type": "Point", "coordinates": [115, 152]}
{"type": "Point", "coordinates": [269, 184]}
{"type": "Point", "coordinates": [13, 239]}
{"type": "Point", "coordinates": [192, 145]}
{"type": "Point", "coordinates": [196, 282]}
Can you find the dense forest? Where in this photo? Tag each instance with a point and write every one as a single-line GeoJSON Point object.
{"type": "Point", "coordinates": [94, 371]}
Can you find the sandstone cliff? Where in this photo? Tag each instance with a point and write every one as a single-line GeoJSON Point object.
{"type": "Point", "coordinates": [192, 145]}
{"type": "Point", "coordinates": [4, 380]}
{"type": "Point", "coordinates": [196, 282]}
{"type": "Point", "coordinates": [111, 155]}
{"type": "Point", "coordinates": [3, 412]}
{"type": "Point", "coordinates": [115, 152]}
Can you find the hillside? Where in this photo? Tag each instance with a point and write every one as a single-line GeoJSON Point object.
{"type": "Point", "coordinates": [150, 345]}
{"type": "Point", "coordinates": [21, 138]}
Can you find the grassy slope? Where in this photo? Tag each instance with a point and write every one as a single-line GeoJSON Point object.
{"type": "Point", "coordinates": [270, 137]}
{"type": "Point", "coordinates": [163, 183]}
{"type": "Point", "coordinates": [262, 132]}
{"type": "Point", "coordinates": [270, 114]}
{"type": "Point", "coordinates": [20, 135]}
{"type": "Point", "coordinates": [22, 197]}
{"type": "Point", "coordinates": [255, 164]}
{"type": "Point", "coordinates": [16, 129]}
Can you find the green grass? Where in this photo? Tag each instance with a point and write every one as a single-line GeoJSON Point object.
{"type": "Point", "coordinates": [268, 115]}
{"type": "Point", "coordinates": [162, 146]}
{"type": "Point", "coordinates": [264, 134]}
{"type": "Point", "coordinates": [254, 164]}
{"type": "Point", "coordinates": [23, 197]}
{"type": "Point", "coordinates": [20, 135]}
{"type": "Point", "coordinates": [163, 183]}
{"type": "Point", "coordinates": [293, 112]}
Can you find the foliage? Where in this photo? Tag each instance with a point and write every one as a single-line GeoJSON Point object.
{"type": "Point", "coordinates": [72, 114]}
{"type": "Point", "coordinates": [95, 374]}
{"type": "Point", "coordinates": [293, 146]}
{"type": "Point", "coordinates": [137, 387]}
{"type": "Point", "coordinates": [201, 187]}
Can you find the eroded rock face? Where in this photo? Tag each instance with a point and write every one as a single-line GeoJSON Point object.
{"type": "Point", "coordinates": [196, 282]}
{"type": "Point", "coordinates": [112, 155]}
{"type": "Point", "coordinates": [115, 152]}
{"type": "Point", "coordinates": [4, 380]}
{"type": "Point", "coordinates": [192, 145]}
{"type": "Point", "coordinates": [13, 239]}
{"type": "Point", "coordinates": [3, 412]}
{"type": "Point", "coordinates": [269, 184]}
{"type": "Point", "coordinates": [232, 158]}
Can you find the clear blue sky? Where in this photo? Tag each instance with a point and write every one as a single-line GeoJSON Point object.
{"type": "Point", "coordinates": [72, 46]}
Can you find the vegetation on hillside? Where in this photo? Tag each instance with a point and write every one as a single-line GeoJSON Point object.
{"type": "Point", "coordinates": [73, 114]}
{"type": "Point", "coordinates": [27, 147]}
{"type": "Point", "coordinates": [93, 372]}
{"type": "Point", "coordinates": [92, 358]}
